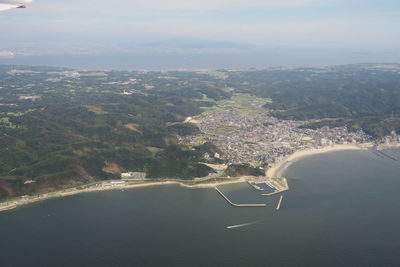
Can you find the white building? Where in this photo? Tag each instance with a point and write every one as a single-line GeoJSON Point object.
{"type": "Point", "coordinates": [133, 175]}
{"type": "Point", "coordinates": [113, 183]}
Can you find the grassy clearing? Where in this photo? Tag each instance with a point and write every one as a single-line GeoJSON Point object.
{"type": "Point", "coordinates": [5, 122]}
{"type": "Point", "coordinates": [248, 103]}
{"type": "Point", "coordinates": [95, 109]}
{"type": "Point", "coordinates": [228, 89]}
{"type": "Point", "coordinates": [19, 114]}
{"type": "Point", "coordinates": [243, 102]}
{"type": "Point", "coordinates": [218, 75]}
{"type": "Point", "coordinates": [225, 130]}
{"type": "Point", "coordinates": [217, 167]}
{"type": "Point", "coordinates": [154, 150]}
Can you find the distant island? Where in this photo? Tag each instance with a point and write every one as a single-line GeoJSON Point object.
{"type": "Point", "coordinates": [65, 131]}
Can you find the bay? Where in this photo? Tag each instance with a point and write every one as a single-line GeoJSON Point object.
{"type": "Point", "coordinates": [341, 210]}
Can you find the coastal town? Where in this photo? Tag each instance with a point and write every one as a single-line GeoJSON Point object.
{"type": "Point", "coordinates": [146, 113]}
{"type": "Point", "coordinates": [246, 132]}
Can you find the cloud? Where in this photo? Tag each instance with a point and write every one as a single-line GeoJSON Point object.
{"type": "Point", "coordinates": [15, 2]}
{"type": "Point", "coordinates": [150, 7]}
{"type": "Point", "coordinates": [213, 4]}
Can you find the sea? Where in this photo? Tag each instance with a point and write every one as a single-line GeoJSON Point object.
{"type": "Point", "coordinates": [342, 209]}
{"type": "Point", "coordinates": [246, 59]}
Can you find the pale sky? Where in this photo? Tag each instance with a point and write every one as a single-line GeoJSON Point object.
{"type": "Point", "coordinates": [99, 26]}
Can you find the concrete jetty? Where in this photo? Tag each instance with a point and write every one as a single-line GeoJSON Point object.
{"type": "Point", "coordinates": [279, 203]}
{"type": "Point", "coordinates": [274, 193]}
{"type": "Point", "coordinates": [255, 186]}
{"type": "Point", "coordinates": [276, 185]}
{"type": "Point", "coordinates": [238, 205]}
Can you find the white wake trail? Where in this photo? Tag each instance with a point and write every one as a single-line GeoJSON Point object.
{"type": "Point", "coordinates": [241, 225]}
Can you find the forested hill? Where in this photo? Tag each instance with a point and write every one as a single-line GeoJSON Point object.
{"type": "Point", "coordinates": [363, 96]}
{"type": "Point", "coordinates": [61, 128]}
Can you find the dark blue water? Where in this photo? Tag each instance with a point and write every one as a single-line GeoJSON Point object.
{"type": "Point", "coordinates": [342, 210]}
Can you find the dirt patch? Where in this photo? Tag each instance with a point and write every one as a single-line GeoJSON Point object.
{"type": "Point", "coordinates": [95, 109]}
{"type": "Point", "coordinates": [133, 127]}
{"type": "Point", "coordinates": [83, 173]}
{"type": "Point", "coordinates": [112, 168]}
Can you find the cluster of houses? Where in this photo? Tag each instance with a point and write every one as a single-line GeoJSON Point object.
{"type": "Point", "coordinates": [259, 138]}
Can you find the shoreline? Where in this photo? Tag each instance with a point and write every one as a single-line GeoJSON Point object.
{"type": "Point", "coordinates": [69, 192]}
{"type": "Point", "coordinates": [277, 169]}
{"type": "Point", "coordinates": [388, 146]}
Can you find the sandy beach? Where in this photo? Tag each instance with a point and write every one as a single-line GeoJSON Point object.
{"type": "Point", "coordinates": [278, 168]}
{"type": "Point", "coordinates": [68, 192]}
{"type": "Point", "coordinates": [388, 146]}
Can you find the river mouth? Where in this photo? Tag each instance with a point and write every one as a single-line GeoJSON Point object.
{"type": "Point", "coordinates": [341, 210]}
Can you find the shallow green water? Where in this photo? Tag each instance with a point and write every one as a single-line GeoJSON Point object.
{"type": "Point", "coordinates": [342, 210]}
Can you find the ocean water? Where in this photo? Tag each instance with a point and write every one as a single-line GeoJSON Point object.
{"type": "Point", "coordinates": [342, 210]}
{"type": "Point", "coordinates": [243, 59]}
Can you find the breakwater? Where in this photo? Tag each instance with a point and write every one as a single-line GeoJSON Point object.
{"type": "Point", "coordinates": [274, 193]}
{"type": "Point", "coordinates": [238, 205]}
{"type": "Point", "coordinates": [279, 203]}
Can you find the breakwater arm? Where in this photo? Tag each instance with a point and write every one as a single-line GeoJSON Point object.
{"type": "Point", "coordinates": [279, 203]}
{"type": "Point", "coordinates": [238, 205]}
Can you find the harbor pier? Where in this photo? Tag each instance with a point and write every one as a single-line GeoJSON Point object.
{"type": "Point", "coordinates": [279, 203]}
{"type": "Point", "coordinates": [238, 205]}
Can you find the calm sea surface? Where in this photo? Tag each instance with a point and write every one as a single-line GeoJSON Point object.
{"type": "Point", "coordinates": [343, 209]}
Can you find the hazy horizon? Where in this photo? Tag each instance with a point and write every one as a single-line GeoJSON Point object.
{"type": "Point", "coordinates": [200, 35]}
{"type": "Point", "coordinates": [164, 62]}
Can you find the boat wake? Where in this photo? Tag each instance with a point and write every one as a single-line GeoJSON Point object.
{"type": "Point", "coordinates": [241, 225]}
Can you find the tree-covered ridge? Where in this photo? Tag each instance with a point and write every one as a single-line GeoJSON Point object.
{"type": "Point", "coordinates": [360, 96]}
{"type": "Point", "coordinates": [62, 128]}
